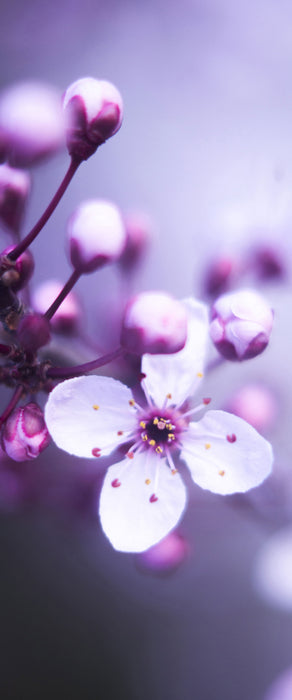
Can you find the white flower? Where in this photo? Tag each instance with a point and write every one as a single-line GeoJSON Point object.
{"type": "Point", "coordinates": [143, 496]}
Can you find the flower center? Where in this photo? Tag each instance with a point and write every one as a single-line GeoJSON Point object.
{"type": "Point", "coordinates": [159, 431]}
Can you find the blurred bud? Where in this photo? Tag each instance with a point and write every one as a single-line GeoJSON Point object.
{"type": "Point", "coordinates": [67, 317]}
{"type": "Point", "coordinates": [14, 191]}
{"type": "Point", "coordinates": [16, 273]}
{"type": "Point", "coordinates": [138, 236]}
{"type": "Point", "coordinates": [93, 112]}
{"type": "Point", "coordinates": [273, 570]}
{"type": "Point", "coordinates": [241, 324]}
{"type": "Point", "coordinates": [33, 332]}
{"type": "Point", "coordinates": [25, 435]}
{"type": "Point", "coordinates": [256, 404]}
{"type": "Point", "coordinates": [218, 276]}
{"type": "Point", "coordinates": [268, 263]}
{"type": "Point", "coordinates": [281, 689]}
{"type": "Point", "coordinates": [165, 556]}
{"type": "Point", "coordinates": [96, 234]}
{"type": "Point", "coordinates": [31, 123]}
{"type": "Point", "coordinates": [154, 323]}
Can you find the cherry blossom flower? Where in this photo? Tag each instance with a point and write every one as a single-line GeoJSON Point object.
{"type": "Point", "coordinates": [143, 496]}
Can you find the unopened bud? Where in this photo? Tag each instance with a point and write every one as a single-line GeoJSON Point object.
{"type": "Point", "coordinates": [138, 235]}
{"type": "Point", "coordinates": [14, 191]}
{"type": "Point", "coordinates": [241, 324]}
{"type": "Point", "coordinates": [218, 276]}
{"type": "Point", "coordinates": [31, 123]}
{"type": "Point", "coordinates": [67, 317]}
{"type": "Point", "coordinates": [268, 263]}
{"type": "Point", "coordinates": [155, 323]}
{"type": "Point", "coordinates": [164, 557]}
{"type": "Point", "coordinates": [93, 112]}
{"type": "Point", "coordinates": [33, 332]}
{"type": "Point", "coordinates": [16, 273]}
{"type": "Point", "coordinates": [24, 434]}
{"type": "Point", "coordinates": [96, 234]}
{"type": "Point", "coordinates": [256, 404]}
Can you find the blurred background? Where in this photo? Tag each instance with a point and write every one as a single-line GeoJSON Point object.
{"type": "Point", "coordinates": [206, 151]}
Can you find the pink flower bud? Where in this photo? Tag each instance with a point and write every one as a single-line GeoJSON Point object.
{"type": "Point", "coordinates": [241, 324]}
{"type": "Point", "coordinates": [67, 317]}
{"type": "Point", "coordinates": [31, 123]}
{"type": "Point", "coordinates": [138, 235]}
{"type": "Point", "coordinates": [218, 276]}
{"type": "Point", "coordinates": [14, 191]}
{"type": "Point", "coordinates": [17, 273]}
{"type": "Point", "coordinates": [256, 404]}
{"type": "Point", "coordinates": [25, 435]}
{"type": "Point", "coordinates": [154, 323]}
{"type": "Point", "coordinates": [96, 234]}
{"type": "Point", "coordinates": [165, 556]}
{"type": "Point", "coordinates": [33, 332]}
{"type": "Point", "coordinates": [94, 112]}
{"type": "Point", "coordinates": [268, 262]}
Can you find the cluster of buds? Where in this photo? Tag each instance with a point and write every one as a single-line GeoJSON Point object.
{"type": "Point", "coordinates": [35, 122]}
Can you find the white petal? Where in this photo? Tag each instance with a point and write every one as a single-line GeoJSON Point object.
{"type": "Point", "coordinates": [273, 570]}
{"type": "Point", "coordinates": [179, 374]}
{"type": "Point", "coordinates": [225, 454]}
{"type": "Point", "coordinates": [131, 519]}
{"type": "Point", "coordinates": [86, 413]}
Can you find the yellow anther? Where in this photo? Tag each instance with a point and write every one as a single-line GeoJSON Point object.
{"type": "Point", "coordinates": [169, 426]}
{"type": "Point", "coordinates": [171, 436]}
{"type": "Point", "coordinates": [143, 424]}
{"type": "Point", "coordinates": [132, 402]}
{"type": "Point", "coordinates": [147, 481]}
{"type": "Point", "coordinates": [168, 396]}
{"type": "Point", "coordinates": [155, 421]}
{"type": "Point", "coordinates": [207, 446]}
{"type": "Point", "coordinates": [200, 375]}
{"type": "Point", "coordinates": [174, 471]}
{"type": "Point", "coordinates": [130, 455]}
{"type": "Point", "coordinates": [95, 406]}
{"type": "Point", "coordinates": [152, 443]}
{"type": "Point", "coordinates": [145, 437]}
{"type": "Point", "coordinates": [158, 449]}
{"type": "Point", "coordinates": [221, 473]}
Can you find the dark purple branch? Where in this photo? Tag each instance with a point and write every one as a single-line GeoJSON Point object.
{"type": "Point", "coordinates": [23, 245]}
{"type": "Point", "coordinates": [68, 372]}
{"type": "Point", "coordinates": [63, 293]}
{"type": "Point", "coordinates": [12, 403]}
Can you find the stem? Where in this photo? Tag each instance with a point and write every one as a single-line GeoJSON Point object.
{"type": "Point", "coordinates": [63, 293]}
{"type": "Point", "coordinates": [12, 403]}
{"type": "Point", "coordinates": [77, 370]}
{"type": "Point", "coordinates": [23, 245]}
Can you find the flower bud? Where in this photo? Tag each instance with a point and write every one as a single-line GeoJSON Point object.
{"type": "Point", "coordinates": [93, 113]}
{"type": "Point", "coordinates": [218, 276]}
{"type": "Point", "coordinates": [256, 404]}
{"type": "Point", "coordinates": [154, 323]}
{"type": "Point", "coordinates": [241, 324]}
{"type": "Point", "coordinates": [24, 434]}
{"type": "Point", "coordinates": [268, 263]}
{"type": "Point", "coordinates": [14, 191]}
{"type": "Point", "coordinates": [67, 317]}
{"type": "Point", "coordinates": [164, 557]}
{"type": "Point", "coordinates": [33, 332]}
{"type": "Point", "coordinates": [96, 234]}
{"type": "Point", "coordinates": [16, 273]}
{"type": "Point", "coordinates": [31, 123]}
{"type": "Point", "coordinates": [138, 235]}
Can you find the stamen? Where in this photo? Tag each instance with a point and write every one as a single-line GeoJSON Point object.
{"type": "Point", "coordinates": [152, 443]}
{"type": "Point", "coordinates": [196, 409]}
{"type": "Point", "coordinates": [95, 407]}
{"type": "Point", "coordinates": [115, 483]}
{"type": "Point", "coordinates": [207, 445]}
{"type": "Point", "coordinates": [158, 449]}
{"type": "Point", "coordinates": [222, 472]}
{"type": "Point", "coordinates": [147, 482]}
{"type": "Point", "coordinates": [170, 461]}
{"type": "Point", "coordinates": [231, 438]}
{"type": "Point", "coordinates": [153, 498]}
